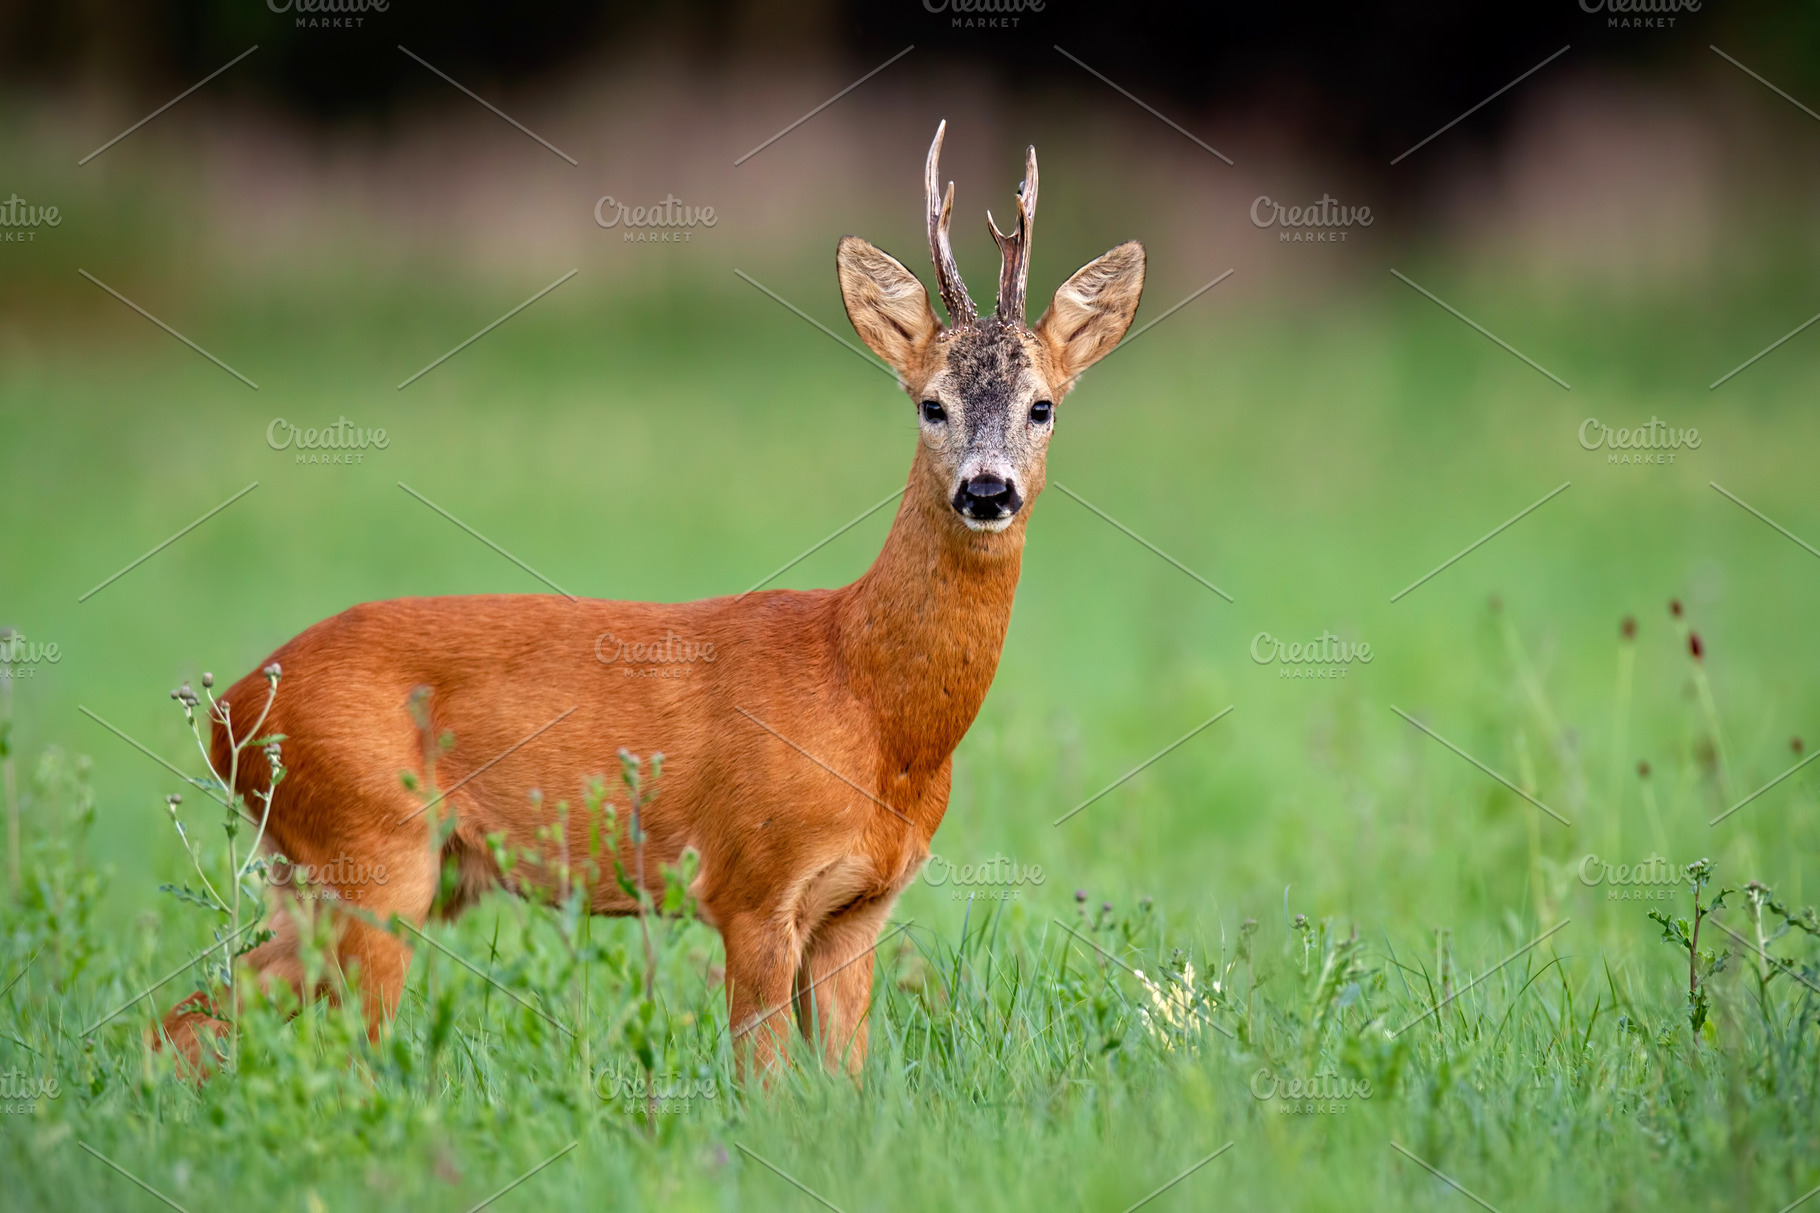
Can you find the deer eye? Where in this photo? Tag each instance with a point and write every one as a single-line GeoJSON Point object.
{"type": "Point", "coordinates": [933, 412]}
{"type": "Point", "coordinates": [1041, 412]}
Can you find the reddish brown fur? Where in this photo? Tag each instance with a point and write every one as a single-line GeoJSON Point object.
{"type": "Point", "coordinates": [878, 681]}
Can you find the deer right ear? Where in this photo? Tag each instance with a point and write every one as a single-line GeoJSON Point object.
{"type": "Point", "coordinates": [886, 303]}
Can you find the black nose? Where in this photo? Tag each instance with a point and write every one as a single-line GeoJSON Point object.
{"type": "Point", "coordinates": [987, 497]}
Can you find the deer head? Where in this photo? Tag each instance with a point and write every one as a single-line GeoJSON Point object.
{"type": "Point", "coordinates": [986, 388]}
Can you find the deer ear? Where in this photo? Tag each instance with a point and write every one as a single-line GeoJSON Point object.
{"type": "Point", "coordinates": [1092, 310]}
{"type": "Point", "coordinates": [886, 303]}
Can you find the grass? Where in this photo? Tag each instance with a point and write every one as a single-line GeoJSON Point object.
{"type": "Point", "coordinates": [1334, 870]}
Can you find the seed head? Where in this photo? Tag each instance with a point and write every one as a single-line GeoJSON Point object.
{"type": "Point", "coordinates": [1694, 646]}
{"type": "Point", "coordinates": [1643, 770]}
{"type": "Point", "coordinates": [1674, 607]}
{"type": "Point", "coordinates": [1628, 629]}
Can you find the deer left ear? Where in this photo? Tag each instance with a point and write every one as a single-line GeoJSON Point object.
{"type": "Point", "coordinates": [1092, 310]}
{"type": "Point", "coordinates": [886, 303]}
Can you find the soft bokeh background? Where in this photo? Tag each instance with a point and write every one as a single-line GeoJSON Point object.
{"type": "Point", "coordinates": [1312, 435]}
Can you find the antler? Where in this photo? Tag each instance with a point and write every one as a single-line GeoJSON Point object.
{"type": "Point", "coordinates": [947, 277]}
{"type": "Point", "coordinates": [1014, 250]}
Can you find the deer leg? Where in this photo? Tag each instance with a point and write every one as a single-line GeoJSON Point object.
{"type": "Point", "coordinates": [761, 960]}
{"type": "Point", "coordinates": [834, 984]}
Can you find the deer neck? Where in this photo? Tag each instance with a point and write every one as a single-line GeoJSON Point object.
{"type": "Point", "coordinates": [921, 632]}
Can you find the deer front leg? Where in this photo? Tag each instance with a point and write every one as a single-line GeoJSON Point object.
{"type": "Point", "coordinates": [834, 983]}
{"type": "Point", "coordinates": [761, 959]}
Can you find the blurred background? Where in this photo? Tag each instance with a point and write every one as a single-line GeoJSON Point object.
{"type": "Point", "coordinates": [331, 214]}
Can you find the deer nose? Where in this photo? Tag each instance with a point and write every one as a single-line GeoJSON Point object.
{"type": "Point", "coordinates": [987, 497]}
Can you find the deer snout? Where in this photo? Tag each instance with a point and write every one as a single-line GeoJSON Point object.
{"type": "Point", "coordinates": [987, 497]}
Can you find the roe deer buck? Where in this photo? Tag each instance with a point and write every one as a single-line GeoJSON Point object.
{"type": "Point", "coordinates": [809, 763]}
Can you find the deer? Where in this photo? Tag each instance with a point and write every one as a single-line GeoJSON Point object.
{"type": "Point", "coordinates": [808, 737]}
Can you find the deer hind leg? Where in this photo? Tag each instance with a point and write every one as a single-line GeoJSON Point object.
{"type": "Point", "coordinates": [195, 1026]}
{"type": "Point", "coordinates": [356, 902]}
{"type": "Point", "coordinates": [833, 990]}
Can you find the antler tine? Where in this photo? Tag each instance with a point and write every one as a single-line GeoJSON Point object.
{"type": "Point", "coordinates": [1014, 250]}
{"type": "Point", "coordinates": [941, 207]}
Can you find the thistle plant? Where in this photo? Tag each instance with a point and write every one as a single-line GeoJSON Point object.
{"type": "Point", "coordinates": [1702, 963]}
{"type": "Point", "coordinates": [243, 872]}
